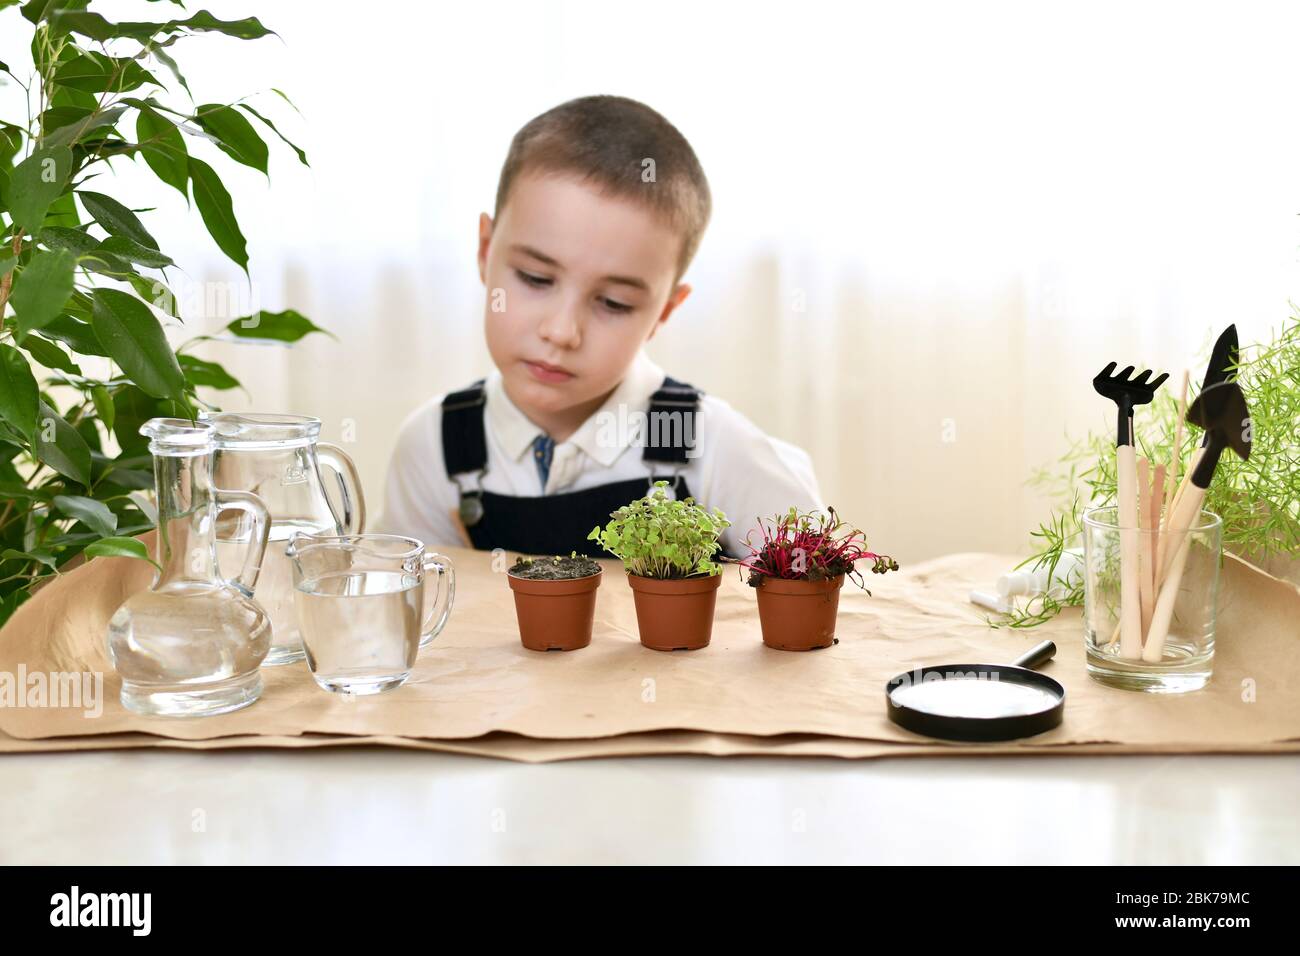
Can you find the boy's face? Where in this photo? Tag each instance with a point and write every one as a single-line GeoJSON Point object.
{"type": "Point", "coordinates": [576, 283]}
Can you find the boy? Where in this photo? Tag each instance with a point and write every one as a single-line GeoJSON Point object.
{"type": "Point", "coordinates": [600, 207]}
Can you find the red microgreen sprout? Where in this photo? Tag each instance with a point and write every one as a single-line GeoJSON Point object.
{"type": "Point", "coordinates": [809, 546]}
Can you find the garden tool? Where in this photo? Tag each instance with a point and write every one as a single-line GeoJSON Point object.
{"type": "Point", "coordinates": [1128, 393]}
{"type": "Point", "coordinates": [1221, 410]}
{"type": "Point", "coordinates": [1223, 363]}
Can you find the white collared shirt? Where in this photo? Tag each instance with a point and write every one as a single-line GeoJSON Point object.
{"type": "Point", "coordinates": [737, 467]}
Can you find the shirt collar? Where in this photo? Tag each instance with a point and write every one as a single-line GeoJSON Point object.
{"type": "Point", "coordinates": [516, 432]}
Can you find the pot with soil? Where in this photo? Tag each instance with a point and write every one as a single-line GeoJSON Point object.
{"type": "Point", "coordinates": [798, 615]}
{"type": "Point", "coordinates": [798, 569]}
{"type": "Point", "coordinates": [555, 601]}
{"type": "Point", "coordinates": [667, 547]}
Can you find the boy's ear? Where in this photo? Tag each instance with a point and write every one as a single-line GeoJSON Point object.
{"type": "Point", "coordinates": [678, 296]}
{"type": "Point", "coordinates": [484, 240]}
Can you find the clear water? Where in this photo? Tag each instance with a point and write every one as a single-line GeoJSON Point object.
{"type": "Point", "coordinates": [188, 648]}
{"type": "Point", "coordinates": [274, 589]}
{"type": "Point", "coordinates": [360, 629]}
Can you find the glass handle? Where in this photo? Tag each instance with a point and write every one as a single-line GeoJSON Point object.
{"type": "Point", "coordinates": [256, 509]}
{"type": "Point", "coordinates": [353, 520]}
{"type": "Point", "coordinates": [444, 599]}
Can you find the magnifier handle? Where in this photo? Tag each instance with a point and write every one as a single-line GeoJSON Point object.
{"type": "Point", "coordinates": [1035, 656]}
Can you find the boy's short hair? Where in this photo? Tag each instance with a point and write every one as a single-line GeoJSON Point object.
{"type": "Point", "coordinates": [606, 140]}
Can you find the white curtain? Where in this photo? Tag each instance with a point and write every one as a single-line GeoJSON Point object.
{"type": "Point", "coordinates": [934, 222]}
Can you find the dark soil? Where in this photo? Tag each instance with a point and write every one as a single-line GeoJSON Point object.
{"type": "Point", "coordinates": [815, 573]}
{"type": "Point", "coordinates": [555, 569]}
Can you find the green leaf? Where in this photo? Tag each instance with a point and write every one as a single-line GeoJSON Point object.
{"type": "Point", "coordinates": [78, 128]}
{"type": "Point", "coordinates": [95, 515]}
{"type": "Point", "coordinates": [88, 250]}
{"type": "Point", "coordinates": [67, 96]}
{"type": "Point", "coordinates": [132, 251]}
{"type": "Point", "coordinates": [11, 140]}
{"type": "Point", "coordinates": [36, 9]}
{"type": "Point", "coordinates": [127, 479]}
{"type": "Point", "coordinates": [135, 340]}
{"type": "Point", "coordinates": [63, 213]}
{"type": "Point", "coordinates": [103, 400]}
{"type": "Point", "coordinates": [302, 157]}
{"type": "Point", "coordinates": [58, 116]}
{"type": "Point", "coordinates": [133, 408]}
{"type": "Point", "coordinates": [19, 394]}
{"type": "Point", "coordinates": [35, 183]}
{"type": "Point", "coordinates": [235, 135]}
{"type": "Point", "coordinates": [285, 96]}
{"type": "Point", "coordinates": [57, 443]}
{"type": "Point", "coordinates": [74, 333]}
{"type": "Point", "coordinates": [156, 293]}
{"type": "Point", "coordinates": [76, 241]}
{"type": "Point", "coordinates": [49, 355]}
{"type": "Point", "coordinates": [286, 326]}
{"type": "Point", "coordinates": [163, 149]}
{"type": "Point", "coordinates": [88, 430]}
{"type": "Point", "coordinates": [204, 22]}
{"type": "Point", "coordinates": [87, 24]}
{"type": "Point", "coordinates": [41, 289]}
{"type": "Point", "coordinates": [119, 548]}
{"type": "Point", "coordinates": [208, 374]}
{"type": "Point", "coordinates": [166, 60]}
{"type": "Point", "coordinates": [218, 212]}
{"type": "Point", "coordinates": [42, 557]}
{"type": "Point", "coordinates": [116, 218]}
{"type": "Point", "coordinates": [97, 73]}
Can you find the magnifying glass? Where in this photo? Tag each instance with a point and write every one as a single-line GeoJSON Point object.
{"type": "Point", "coordinates": [978, 701]}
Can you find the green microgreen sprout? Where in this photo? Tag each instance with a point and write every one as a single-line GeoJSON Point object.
{"type": "Point", "coordinates": [659, 537]}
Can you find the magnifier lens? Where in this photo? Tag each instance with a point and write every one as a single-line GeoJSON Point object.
{"type": "Point", "coordinates": [973, 697]}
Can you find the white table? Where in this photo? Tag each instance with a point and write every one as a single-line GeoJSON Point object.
{"type": "Point", "coordinates": [372, 805]}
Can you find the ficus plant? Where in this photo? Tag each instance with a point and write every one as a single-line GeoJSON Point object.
{"type": "Point", "coordinates": [660, 537]}
{"type": "Point", "coordinates": [85, 356]}
{"type": "Point", "coordinates": [809, 546]}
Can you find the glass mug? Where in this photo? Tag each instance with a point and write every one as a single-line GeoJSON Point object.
{"type": "Point", "coordinates": [361, 605]}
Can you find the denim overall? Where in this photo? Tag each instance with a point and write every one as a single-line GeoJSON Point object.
{"type": "Point", "coordinates": [552, 524]}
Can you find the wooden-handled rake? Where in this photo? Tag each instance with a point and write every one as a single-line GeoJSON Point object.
{"type": "Point", "coordinates": [1127, 394]}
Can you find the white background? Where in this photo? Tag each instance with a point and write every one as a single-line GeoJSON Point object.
{"type": "Point", "coordinates": [976, 205]}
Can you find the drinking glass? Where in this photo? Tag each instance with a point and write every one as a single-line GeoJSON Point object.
{"type": "Point", "coordinates": [1186, 660]}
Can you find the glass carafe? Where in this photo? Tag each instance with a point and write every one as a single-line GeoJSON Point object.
{"type": "Point", "coordinates": [192, 644]}
{"type": "Point", "coordinates": [279, 458]}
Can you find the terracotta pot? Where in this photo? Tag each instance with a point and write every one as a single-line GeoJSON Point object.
{"type": "Point", "coordinates": [675, 615]}
{"type": "Point", "coordinates": [555, 615]}
{"type": "Point", "coordinates": [798, 615]}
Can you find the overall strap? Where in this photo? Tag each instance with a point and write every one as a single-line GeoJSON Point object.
{"type": "Point", "coordinates": [672, 416]}
{"type": "Point", "coordinates": [464, 442]}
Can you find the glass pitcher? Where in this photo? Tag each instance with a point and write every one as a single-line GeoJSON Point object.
{"type": "Point", "coordinates": [192, 644]}
{"type": "Point", "coordinates": [279, 458]}
{"type": "Point", "coordinates": [361, 601]}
